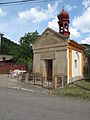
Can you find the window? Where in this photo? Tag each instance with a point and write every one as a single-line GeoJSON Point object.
{"type": "Point", "coordinates": [75, 63]}
{"type": "Point", "coordinates": [61, 27]}
{"type": "Point", "coordinates": [4, 59]}
{"type": "Point", "coordinates": [66, 27]}
{"type": "Point", "coordinates": [77, 55]}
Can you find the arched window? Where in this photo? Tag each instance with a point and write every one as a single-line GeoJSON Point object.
{"type": "Point", "coordinates": [66, 27]}
{"type": "Point", "coordinates": [75, 63]}
{"type": "Point", "coordinates": [61, 27]}
{"type": "Point", "coordinates": [76, 60]}
{"type": "Point", "coordinates": [77, 55]}
{"type": "Point", "coordinates": [4, 59]}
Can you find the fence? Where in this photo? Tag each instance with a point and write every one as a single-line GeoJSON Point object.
{"type": "Point", "coordinates": [38, 79]}
{"type": "Point", "coordinates": [6, 67]}
{"type": "Point", "coordinates": [87, 68]}
{"type": "Point", "coordinates": [87, 71]}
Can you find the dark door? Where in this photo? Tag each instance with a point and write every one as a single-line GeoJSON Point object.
{"type": "Point", "coordinates": [49, 70]}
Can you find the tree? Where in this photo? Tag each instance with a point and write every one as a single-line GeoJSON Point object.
{"type": "Point", "coordinates": [25, 53]}
{"type": "Point", "coordinates": [8, 47]}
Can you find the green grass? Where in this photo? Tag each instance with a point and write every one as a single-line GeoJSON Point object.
{"type": "Point", "coordinates": [79, 89]}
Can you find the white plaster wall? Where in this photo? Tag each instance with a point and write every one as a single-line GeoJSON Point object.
{"type": "Point", "coordinates": [76, 71]}
{"type": "Point", "coordinates": [8, 57]}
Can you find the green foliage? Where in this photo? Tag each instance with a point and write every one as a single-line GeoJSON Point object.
{"type": "Point", "coordinates": [25, 53]}
{"type": "Point", "coordinates": [87, 50]}
{"type": "Point", "coordinates": [8, 47]}
{"type": "Point", "coordinates": [22, 53]}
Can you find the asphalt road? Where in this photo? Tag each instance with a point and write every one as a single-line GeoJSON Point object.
{"type": "Point", "coordinates": [23, 105]}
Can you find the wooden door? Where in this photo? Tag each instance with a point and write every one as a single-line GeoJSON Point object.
{"type": "Point", "coordinates": [49, 70]}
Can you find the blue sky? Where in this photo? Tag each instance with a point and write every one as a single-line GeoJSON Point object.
{"type": "Point", "coordinates": [16, 20]}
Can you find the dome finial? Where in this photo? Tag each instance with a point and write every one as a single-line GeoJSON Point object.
{"type": "Point", "coordinates": [62, 8]}
{"type": "Point", "coordinates": [63, 15]}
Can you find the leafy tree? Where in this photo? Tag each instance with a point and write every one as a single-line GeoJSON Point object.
{"type": "Point", "coordinates": [8, 47]}
{"type": "Point", "coordinates": [87, 50]}
{"type": "Point", "coordinates": [25, 53]}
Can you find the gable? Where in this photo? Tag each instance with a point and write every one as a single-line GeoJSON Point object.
{"type": "Point", "coordinates": [48, 38]}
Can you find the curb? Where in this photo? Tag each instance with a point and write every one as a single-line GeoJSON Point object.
{"type": "Point", "coordinates": [25, 89]}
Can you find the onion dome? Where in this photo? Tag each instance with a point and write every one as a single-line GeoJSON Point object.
{"type": "Point", "coordinates": [63, 15]}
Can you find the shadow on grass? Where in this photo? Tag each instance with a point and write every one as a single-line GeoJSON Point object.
{"type": "Point", "coordinates": [87, 79]}
{"type": "Point", "coordinates": [82, 87]}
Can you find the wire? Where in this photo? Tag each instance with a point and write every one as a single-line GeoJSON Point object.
{"type": "Point", "coordinates": [22, 1]}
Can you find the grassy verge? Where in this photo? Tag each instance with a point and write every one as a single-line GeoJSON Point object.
{"type": "Point", "coordinates": [79, 89]}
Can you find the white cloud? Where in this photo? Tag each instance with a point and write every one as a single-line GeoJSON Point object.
{"type": "Point", "coordinates": [86, 3]}
{"type": "Point", "coordinates": [54, 24]}
{"type": "Point", "coordinates": [69, 8]}
{"type": "Point", "coordinates": [86, 40]}
{"type": "Point", "coordinates": [74, 33]}
{"type": "Point", "coordinates": [2, 13]}
{"type": "Point", "coordinates": [38, 15]}
{"type": "Point", "coordinates": [82, 22]}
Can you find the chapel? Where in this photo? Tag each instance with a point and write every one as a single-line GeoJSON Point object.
{"type": "Point", "coordinates": [55, 54]}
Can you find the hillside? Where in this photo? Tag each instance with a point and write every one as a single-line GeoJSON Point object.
{"type": "Point", "coordinates": [87, 50]}
{"type": "Point", "coordinates": [87, 46]}
{"type": "Point", "coordinates": [8, 47]}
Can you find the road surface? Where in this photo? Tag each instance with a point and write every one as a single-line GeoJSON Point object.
{"type": "Point", "coordinates": [25, 105]}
